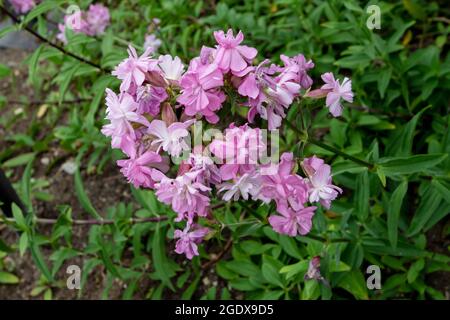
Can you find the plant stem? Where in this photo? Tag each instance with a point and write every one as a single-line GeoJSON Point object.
{"type": "Point", "coordinates": [341, 153]}
{"type": "Point", "coordinates": [52, 44]}
{"type": "Point", "coordinates": [35, 102]}
{"type": "Point", "coordinates": [330, 148]}
{"type": "Point", "coordinates": [95, 221]}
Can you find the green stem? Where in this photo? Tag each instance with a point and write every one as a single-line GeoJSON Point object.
{"type": "Point", "coordinates": [328, 147]}
{"type": "Point", "coordinates": [341, 153]}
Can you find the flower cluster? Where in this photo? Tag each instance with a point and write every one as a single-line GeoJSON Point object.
{"type": "Point", "coordinates": [162, 102]}
{"type": "Point", "coordinates": [92, 22]}
{"type": "Point", "coordinates": [23, 6]}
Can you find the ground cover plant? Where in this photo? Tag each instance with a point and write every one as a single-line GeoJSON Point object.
{"type": "Point", "coordinates": [96, 118]}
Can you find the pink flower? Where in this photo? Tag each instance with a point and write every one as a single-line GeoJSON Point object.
{"type": "Point", "coordinates": [121, 111]}
{"type": "Point", "coordinates": [188, 240]}
{"type": "Point", "coordinates": [271, 90]}
{"type": "Point", "coordinates": [97, 18]}
{"type": "Point", "coordinates": [301, 67]}
{"type": "Point", "coordinates": [230, 55]}
{"type": "Point", "coordinates": [239, 151]}
{"type": "Point", "coordinates": [186, 196]}
{"type": "Point", "coordinates": [171, 139]}
{"type": "Point", "coordinates": [172, 68]}
{"type": "Point", "coordinates": [282, 185]}
{"type": "Point", "coordinates": [292, 222]}
{"type": "Point", "coordinates": [150, 99]}
{"type": "Point", "coordinates": [138, 169]}
{"type": "Point", "coordinates": [200, 94]}
{"type": "Point", "coordinates": [242, 187]}
{"type": "Point", "coordinates": [132, 71]}
{"type": "Point", "coordinates": [151, 43]}
{"type": "Point", "coordinates": [319, 182]}
{"type": "Point", "coordinates": [336, 92]}
{"type": "Point", "coordinates": [22, 6]}
{"type": "Point", "coordinates": [208, 172]}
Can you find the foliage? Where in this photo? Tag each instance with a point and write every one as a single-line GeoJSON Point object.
{"type": "Point", "coordinates": [399, 124]}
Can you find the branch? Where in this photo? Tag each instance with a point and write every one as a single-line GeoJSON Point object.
{"type": "Point", "coordinates": [50, 43]}
{"type": "Point", "coordinates": [95, 221]}
{"type": "Point", "coordinates": [219, 256]}
{"type": "Point", "coordinates": [331, 148]}
{"type": "Point", "coordinates": [36, 102]}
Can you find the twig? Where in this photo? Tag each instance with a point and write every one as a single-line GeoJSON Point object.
{"type": "Point", "coordinates": [35, 102]}
{"type": "Point", "coordinates": [330, 148]}
{"type": "Point", "coordinates": [50, 43]}
{"type": "Point", "coordinates": [219, 256]}
{"type": "Point", "coordinates": [95, 221]}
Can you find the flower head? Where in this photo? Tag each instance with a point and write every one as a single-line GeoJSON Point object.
{"type": "Point", "coordinates": [187, 196]}
{"type": "Point", "coordinates": [200, 91]}
{"type": "Point", "coordinates": [23, 6]}
{"type": "Point", "coordinates": [172, 138]}
{"type": "Point", "coordinates": [336, 92]}
{"type": "Point", "coordinates": [319, 182]}
{"type": "Point", "coordinates": [172, 68]}
{"type": "Point", "coordinates": [292, 222]}
{"type": "Point", "coordinates": [97, 18]}
{"type": "Point", "coordinates": [230, 54]}
{"type": "Point", "coordinates": [151, 43]}
{"type": "Point", "coordinates": [132, 70]}
{"type": "Point", "coordinates": [188, 240]}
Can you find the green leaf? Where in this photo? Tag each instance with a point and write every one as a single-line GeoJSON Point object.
{"type": "Point", "coordinates": [354, 282]}
{"type": "Point", "coordinates": [25, 186]}
{"type": "Point", "coordinates": [4, 71]}
{"type": "Point", "coordinates": [408, 165]}
{"type": "Point", "coordinates": [40, 9]}
{"type": "Point", "coordinates": [443, 188]}
{"type": "Point", "coordinates": [383, 81]}
{"type": "Point", "coordinates": [20, 160]}
{"type": "Point", "coordinates": [4, 247]}
{"type": "Point", "coordinates": [400, 143]}
{"type": "Point", "coordinates": [270, 272]}
{"type": "Point", "coordinates": [243, 267]}
{"type": "Point", "coordinates": [414, 270]}
{"type": "Point", "coordinates": [19, 218]}
{"type": "Point", "coordinates": [33, 62]}
{"type": "Point", "coordinates": [8, 278]}
{"type": "Point", "coordinates": [82, 196]}
{"type": "Point", "coordinates": [362, 193]}
{"type": "Point", "coordinates": [338, 267]}
{"type": "Point", "coordinates": [393, 213]}
{"type": "Point", "coordinates": [430, 201]}
{"type": "Point", "coordinates": [294, 269]}
{"type": "Point", "coordinates": [39, 260]}
{"type": "Point", "coordinates": [23, 243]}
{"type": "Point", "coordinates": [160, 261]}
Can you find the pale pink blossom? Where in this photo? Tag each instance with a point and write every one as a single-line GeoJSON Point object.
{"type": "Point", "coordinates": [244, 187]}
{"type": "Point", "coordinates": [320, 183]}
{"type": "Point", "coordinates": [150, 98]}
{"type": "Point", "coordinates": [23, 6]}
{"type": "Point", "coordinates": [173, 139]}
{"type": "Point", "coordinates": [282, 185]}
{"type": "Point", "coordinates": [121, 112]}
{"type": "Point", "coordinates": [291, 222]}
{"type": "Point", "coordinates": [230, 54]}
{"type": "Point", "coordinates": [172, 68]}
{"type": "Point", "coordinates": [138, 169]}
{"type": "Point", "coordinates": [151, 43]}
{"type": "Point", "coordinates": [200, 91]}
{"type": "Point", "coordinates": [188, 240]}
{"type": "Point", "coordinates": [336, 92]}
{"type": "Point", "coordinates": [97, 18]}
{"type": "Point", "coordinates": [132, 71]}
{"type": "Point", "coordinates": [186, 196]}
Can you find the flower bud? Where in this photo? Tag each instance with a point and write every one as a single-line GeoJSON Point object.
{"type": "Point", "coordinates": [167, 114]}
